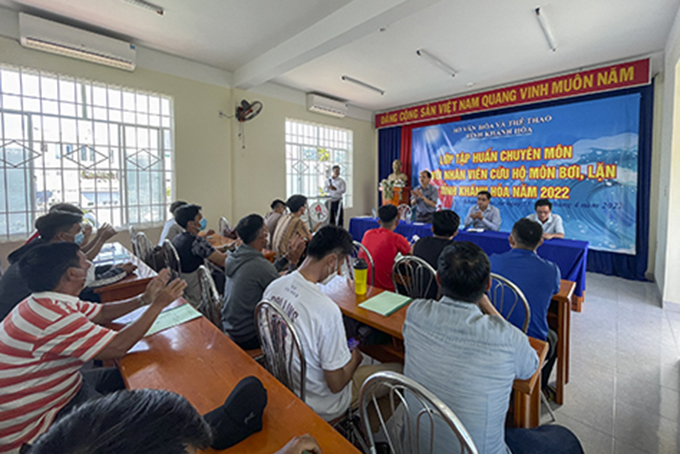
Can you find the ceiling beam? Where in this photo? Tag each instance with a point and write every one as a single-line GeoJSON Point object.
{"type": "Point", "coordinates": [351, 22]}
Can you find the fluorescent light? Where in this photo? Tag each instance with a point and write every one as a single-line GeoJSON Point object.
{"type": "Point", "coordinates": [546, 30]}
{"type": "Point", "coordinates": [146, 5]}
{"type": "Point", "coordinates": [77, 53]}
{"type": "Point", "coordinates": [362, 84]}
{"type": "Point", "coordinates": [436, 62]}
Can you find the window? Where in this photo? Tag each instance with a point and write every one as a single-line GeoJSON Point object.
{"type": "Point", "coordinates": [311, 151]}
{"type": "Point", "coordinates": [104, 148]}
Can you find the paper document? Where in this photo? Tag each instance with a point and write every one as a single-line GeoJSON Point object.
{"type": "Point", "coordinates": [386, 303]}
{"type": "Point", "coordinates": [173, 317]}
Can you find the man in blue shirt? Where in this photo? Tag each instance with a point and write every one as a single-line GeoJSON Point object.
{"type": "Point", "coordinates": [483, 215]}
{"type": "Point", "coordinates": [539, 280]}
{"type": "Point", "coordinates": [461, 349]}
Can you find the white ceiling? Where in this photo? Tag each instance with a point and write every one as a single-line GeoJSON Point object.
{"type": "Point", "coordinates": [309, 44]}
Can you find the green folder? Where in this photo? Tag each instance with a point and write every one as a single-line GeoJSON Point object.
{"type": "Point", "coordinates": [173, 317]}
{"type": "Point", "coordinates": [386, 303]}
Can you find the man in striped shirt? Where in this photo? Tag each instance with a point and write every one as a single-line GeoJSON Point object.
{"type": "Point", "coordinates": [46, 339]}
{"type": "Point", "coordinates": [291, 225]}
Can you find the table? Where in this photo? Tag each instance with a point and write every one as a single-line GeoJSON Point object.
{"type": "Point", "coordinates": [569, 255]}
{"type": "Point", "coordinates": [559, 319]}
{"type": "Point", "coordinates": [201, 363]}
{"type": "Point", "coordinates": [527, 411]}
{"type": "Point", "coordinates": [217, 240]}
{"type": "Point", "coordinates": [132, 285]}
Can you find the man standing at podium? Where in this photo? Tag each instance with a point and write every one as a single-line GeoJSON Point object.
{"type": "Point", "coordinates": [336, 187]}
{"type": "Point", "coordinates": [425, 197]}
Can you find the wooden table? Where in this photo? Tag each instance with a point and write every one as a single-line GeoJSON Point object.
{"type": "Point", "coordinates": [132, 285]}
{"type": "Point", "coordinates": [559, 319]}
{"type": "Point", "coordinates": [527, 393]}
{"type": "Point", "coordinates": [201, 363]}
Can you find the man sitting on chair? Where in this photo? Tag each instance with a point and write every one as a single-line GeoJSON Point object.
{"type": "Point", "coordinates": [54, 227]}
{"type": "Point", "coordinates": [50, 335]}
{"type": "Point", "coordinates": [171, 228]}
{"type": "Point", "coordinates": [537, 278]}
{"type": "Point", "coordinates": [551, 223]}
{"type": "Point", "coordinates": [483, 215]}
{"type": "Point", "coordinates": [384, 245]}
{"type": "Point", "coordinates": [193, 249]}
{"type": "Point", "coordinates": [291, 225]}
{"type": "Point", "coordinates": [247, 273]}
{"type": "Point", "coordinates": [444, 227]}
{"type": "Point", "coordinates": [334, 377]}
{"type": "Point", "coordinates": [271, 219]}
{"type": "Point", "coordinates": [479, 355]}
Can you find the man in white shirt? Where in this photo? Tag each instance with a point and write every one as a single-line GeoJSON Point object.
{"type": "Point", "coordinates": [336, 188]}
{"type": "Point", "coordinates": [333, 378]}
{"type": "Point", "coordinates": [171, 228]}
{"type": "Point", "coordinates": [551, 223]}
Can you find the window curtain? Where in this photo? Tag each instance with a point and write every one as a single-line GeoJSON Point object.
{"type": "Point", "coordinates": [389, 149]}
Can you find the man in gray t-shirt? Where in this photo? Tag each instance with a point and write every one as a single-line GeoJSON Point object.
{"type": "Point", "coordinates": [478, 356]}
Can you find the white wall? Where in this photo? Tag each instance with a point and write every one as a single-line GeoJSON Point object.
{"type": "Point", "coordinates": [667, 262]}
{"type": "Point", "coordinates": [211, 168]}
{"type": "Point", "coordinates": [258, 170]}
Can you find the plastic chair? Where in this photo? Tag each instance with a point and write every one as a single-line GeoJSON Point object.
{"type": "Point", "coordinates": [404, 212]}
{"type": "Point", "coordinates": [171, 259]}
{"type": "Point", "coordinates": [284, 356]}
{"type": "Point", "coordinates": [412, 425]}
{"type": "Point", "coordinates": [414, 277]}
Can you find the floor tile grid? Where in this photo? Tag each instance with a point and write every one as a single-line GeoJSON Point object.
{"type": "Point", "coordinates": [623, 391]}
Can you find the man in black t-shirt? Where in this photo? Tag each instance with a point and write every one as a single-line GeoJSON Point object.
{"type": "Point", "coordinates": [444, 227]}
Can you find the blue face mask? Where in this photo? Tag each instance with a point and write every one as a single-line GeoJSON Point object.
{"type": "Point", "coordinates": [79, 238]}
{"type": "Point", "coordinates": [204, 223]}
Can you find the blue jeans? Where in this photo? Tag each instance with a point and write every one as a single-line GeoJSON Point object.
{"type": "Point", "coordinates": [544, 439]}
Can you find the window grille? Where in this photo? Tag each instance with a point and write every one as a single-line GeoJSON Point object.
{"type": "Point", "coordinates": [105, 148]}
{"type": "Point", "coordinates": [311, 152]}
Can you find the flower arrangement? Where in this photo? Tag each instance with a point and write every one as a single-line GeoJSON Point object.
{"type": "Point", "coordinates": [387, 188]}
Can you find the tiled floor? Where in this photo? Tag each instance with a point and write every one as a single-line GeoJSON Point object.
{"type": "Point", "coordinates": [624, 390]}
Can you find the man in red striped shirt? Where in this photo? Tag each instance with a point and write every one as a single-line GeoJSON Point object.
{"type": "Point", "coordinates": [46, 339]}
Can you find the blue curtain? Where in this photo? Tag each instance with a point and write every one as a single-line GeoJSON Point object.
{"type": "Point", "coordinates": [389, 149]}
{"type": "Point", "coordinates": [634, 266]}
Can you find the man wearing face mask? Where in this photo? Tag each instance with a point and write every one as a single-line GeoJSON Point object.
{"type": "Point", "coordinates": [193, 249]}
{"type": "Point", "coordinates": [50, 335]}
{"type": "Point", "coordinates": [333, 377]}
{"type": "Point", "coordinates": [54, 227]}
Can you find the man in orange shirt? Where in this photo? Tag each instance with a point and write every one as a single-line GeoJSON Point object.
{"type": "Point", "coordinates": [384, 245]}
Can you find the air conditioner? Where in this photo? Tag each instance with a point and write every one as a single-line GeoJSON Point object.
{"type": "Point", "coordinates": [48, 36]}
{"type": "Point", "coordinates": [327, 106]}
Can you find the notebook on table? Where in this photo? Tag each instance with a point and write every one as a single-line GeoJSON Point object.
{"type": "Point", "coordinates": [386, 303]}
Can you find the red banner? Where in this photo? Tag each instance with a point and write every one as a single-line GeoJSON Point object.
{"type": "Point", "coordinates": [598, 80]}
